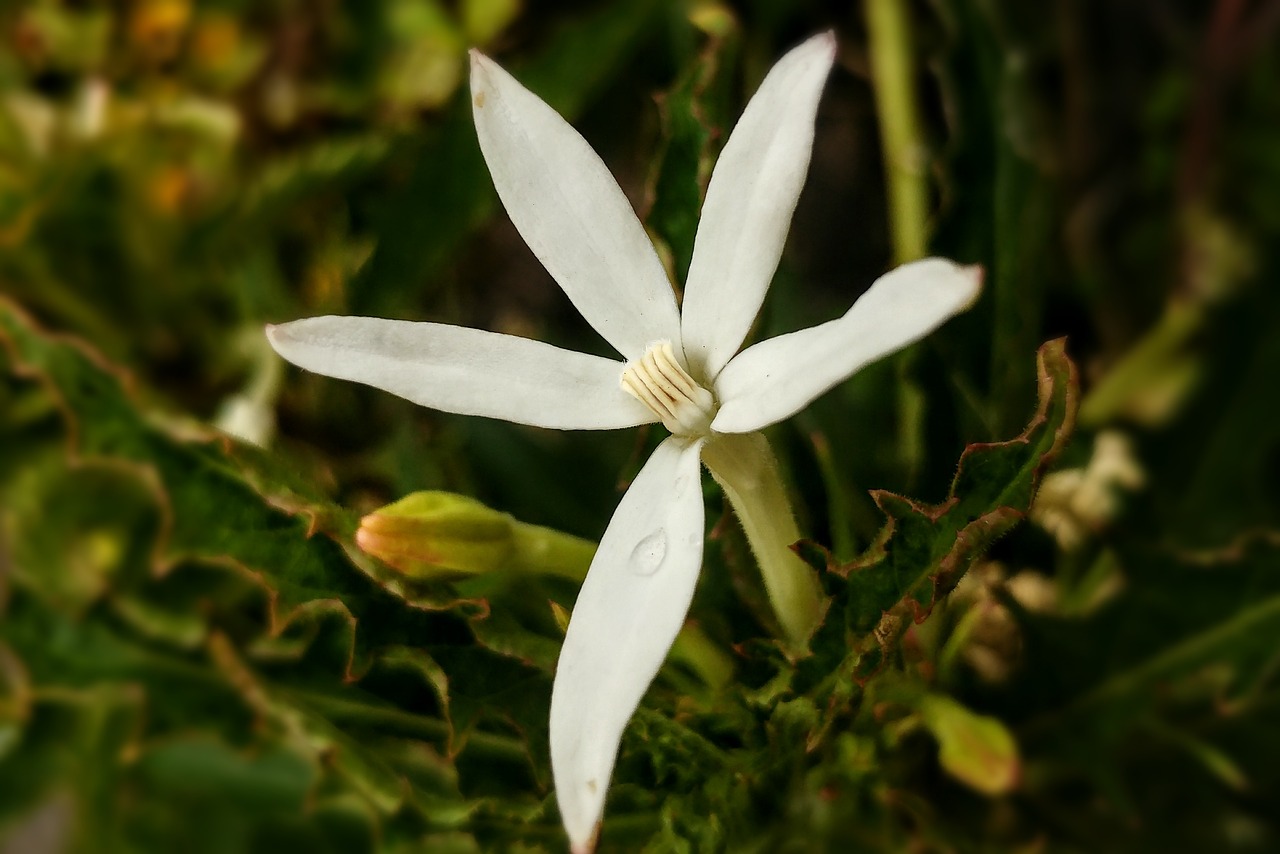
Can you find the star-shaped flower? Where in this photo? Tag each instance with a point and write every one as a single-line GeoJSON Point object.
{"type": "Point", "coordinates": [679, 368]}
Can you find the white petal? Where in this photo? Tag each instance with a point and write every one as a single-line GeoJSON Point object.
{"type": "Point", "coordinates": [631, 607]}
{"type": "Point", "coordinates": [571, 212]}
{"type": "Point", "coordinates": [777, 378]}
{"type": "Point", "coordinates": [748, 208]}
{"type": "Point", "coordinates": [468, 371]}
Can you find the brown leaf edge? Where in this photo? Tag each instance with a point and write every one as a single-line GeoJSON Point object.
{"type": "Point", "coordinates": [164, 558]}
{"type": "Point", "coordinates": [1057, 377]}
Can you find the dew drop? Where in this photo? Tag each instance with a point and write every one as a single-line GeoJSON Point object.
{"type": "Point", "coordinates": [647, 556]}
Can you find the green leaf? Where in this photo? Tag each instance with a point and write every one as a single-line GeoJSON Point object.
{"type": "Point", "coordinates": [224, 503]}
{"type": "Point", "coordinates": [1148, 639]}
{"type": "Point", "coordinates": [695, 117]}
{"type": "Point", "coordinates": [978, 750]}
{"type": "Point", "coordinates": [274, 780]}
{"type": "Point", "coordinates": [1001, 132]}
{"type": "Point", "coordinates": [924, 550]}
{"type": "Point", "coordinates": [231, 593]}
{"type": "Point", "coordinates": [1174, 677]}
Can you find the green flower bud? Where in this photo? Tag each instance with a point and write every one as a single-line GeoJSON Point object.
{"type": "Point", "coordinates": [426, 534]}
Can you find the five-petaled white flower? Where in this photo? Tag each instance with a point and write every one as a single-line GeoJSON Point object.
{"type": "Point", "coordinates": [680, 368]}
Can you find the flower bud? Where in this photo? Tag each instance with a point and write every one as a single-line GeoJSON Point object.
{"type": "Point", "coordinates": [427, 533]}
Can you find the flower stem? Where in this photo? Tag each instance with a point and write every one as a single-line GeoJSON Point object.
{"type": "Point", "coordinates": [696, 650]}
{"type": "Point", "coordinates": [892, 77]}
{"type": "Point", "coordinates": [902, 140]}
{"type": "Point", "coordinates": [546, 551]}
{"type": "Point", "coordinates": [747, 471]}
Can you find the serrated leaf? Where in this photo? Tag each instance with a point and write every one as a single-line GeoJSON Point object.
{"type": "Point", "coordinates": [924, 550]}
{"type": "Point", "coordinates": [232, 570]}
{"type": "Point", "coordinates": [220, 509]}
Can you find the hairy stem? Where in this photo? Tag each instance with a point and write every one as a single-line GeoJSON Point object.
{"type": "Point", "coordinates": [747, 471]}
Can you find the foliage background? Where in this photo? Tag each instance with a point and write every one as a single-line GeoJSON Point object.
{"type": "Point", "coordinates": [195, 656]}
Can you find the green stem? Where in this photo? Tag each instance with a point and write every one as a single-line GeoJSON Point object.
{"type": "Point", "coordinates": [893, 79]}
{"type": "Point", "coordinates": [345, 712]}
{"type": "Point", "coordinates": [546, 551]}
{"type": "Point", "coordinates": [747, 471]}
{"type": "Point", "coordinates": [893, 65]}
{"type": "Point", "coordinates": [697, 651]}
{"type": "Point", "coordinates": [1151, 379]}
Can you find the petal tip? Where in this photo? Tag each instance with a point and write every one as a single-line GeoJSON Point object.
{"type": "Point", "coordinates": [275, 334]}
{"type": "Point", "coordinates": [587, 845]}
{"type": "Point", "coordinates": [480, 81]}
{"type": "Point", "coordinates": [823, 45]}
{"type": "Point", "coordinates": [976, 274]}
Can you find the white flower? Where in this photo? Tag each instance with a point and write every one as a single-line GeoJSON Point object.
{"type": "Point", "coordinates": [679, 369]}
{"type": "Point", "coordinates": [1074, 505]}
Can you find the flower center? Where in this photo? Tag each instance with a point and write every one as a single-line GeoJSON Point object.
{"type": "Point", "coordinates": [657, 380]}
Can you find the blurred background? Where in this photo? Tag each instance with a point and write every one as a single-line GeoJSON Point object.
{"type": "Point", "coordinates": [194, 654]}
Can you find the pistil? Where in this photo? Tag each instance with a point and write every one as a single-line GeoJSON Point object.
{"type": "Point", "coordinates": [659, 381]}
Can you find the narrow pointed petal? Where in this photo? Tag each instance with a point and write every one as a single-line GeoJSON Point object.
{"type": "Point", "coordinates": [776, 378]}
{"type": "Point", "coordinates": [750, 200]}
{"type": "Point", "coordinates": [631, 607]}
{"type": "Point", "coordinates": [467, 371]}
{"type": "Point", "coordinates": [571, 212]}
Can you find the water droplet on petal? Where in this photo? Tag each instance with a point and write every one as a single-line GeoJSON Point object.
{"type": "Point", "coordinates": [648, 554]}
